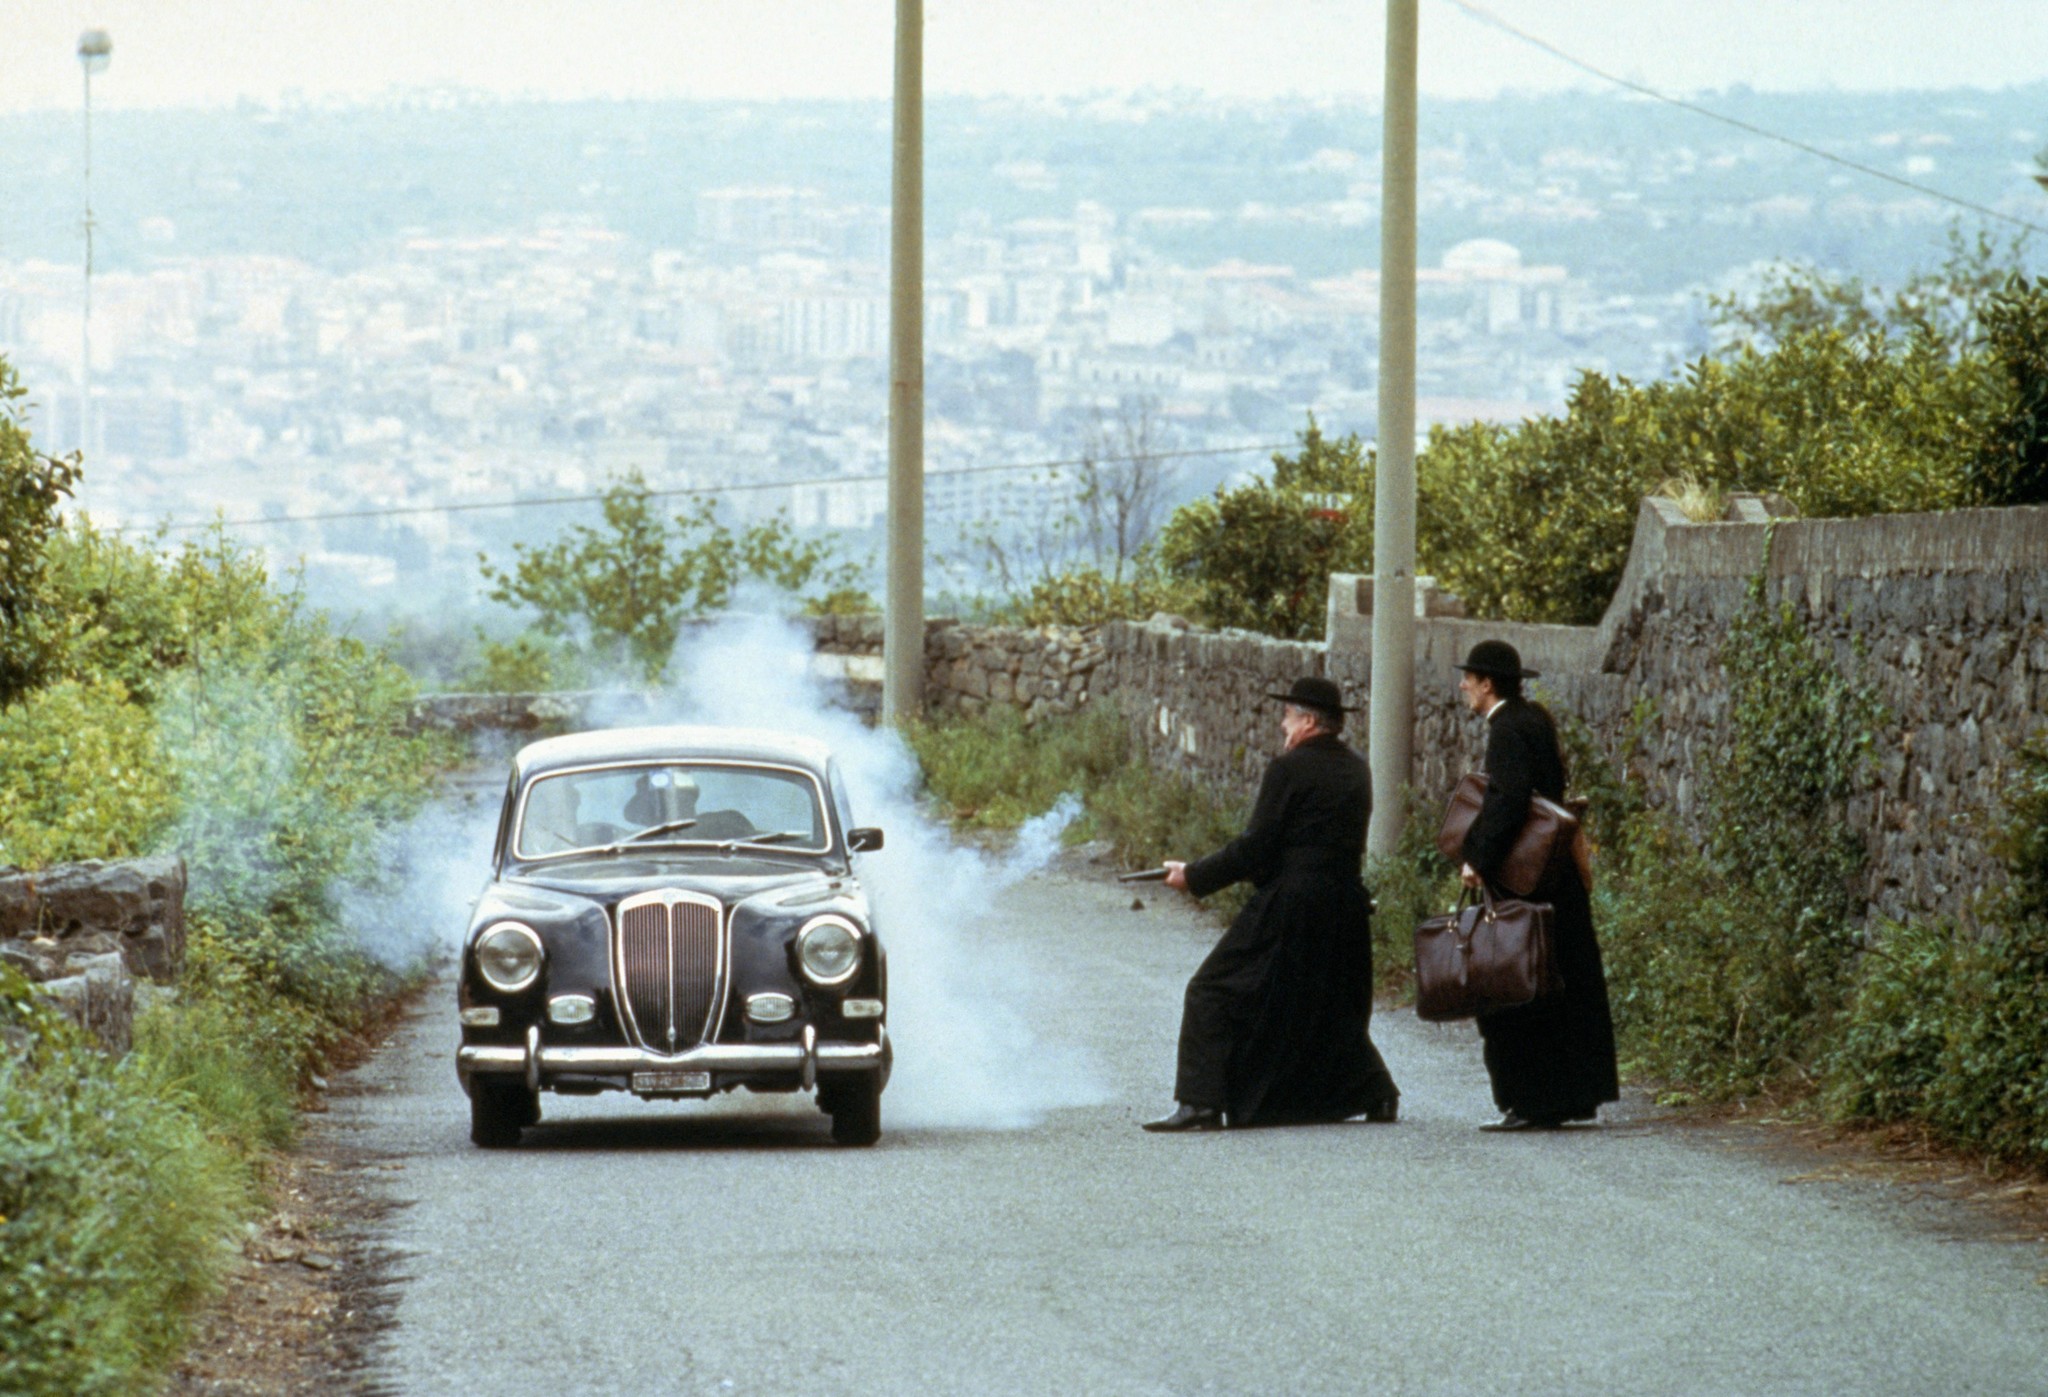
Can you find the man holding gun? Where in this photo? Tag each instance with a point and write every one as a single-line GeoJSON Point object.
{"type": "Point", "coordinates": [1274, 1026]}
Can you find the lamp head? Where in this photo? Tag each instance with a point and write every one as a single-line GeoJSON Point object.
{"type": "Point", "coordinates": [95, 50]}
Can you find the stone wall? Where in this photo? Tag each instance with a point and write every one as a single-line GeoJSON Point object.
{"type": "Point", "coordinates": [133, 906]}
{"type": "Point", "coordinates": [1946, 613]}
{"type": "Point", "coordinates": [87, 932]}
{"type": "Point", "coordinates": [1047, 670]}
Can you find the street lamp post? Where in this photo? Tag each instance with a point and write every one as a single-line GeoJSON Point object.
{"type": "Point", "coordinates": [1392, 718]}
{"type": "Point", "coordinates": [903, 614]}
{"type": "Point", "coordinates": [95, 51]}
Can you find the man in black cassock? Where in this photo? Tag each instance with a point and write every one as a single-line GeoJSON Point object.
{"type": "Point", "coordinates": [1274, 1026]}
{"type": "Point", "coordinates": [1551, 1060]}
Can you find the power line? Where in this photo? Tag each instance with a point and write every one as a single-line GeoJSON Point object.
{"type": "Point", "coordinates": [396, 511]}
{"type": "Point", "coordinates": [1487, 17]}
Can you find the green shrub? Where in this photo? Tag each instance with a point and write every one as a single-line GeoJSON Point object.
{"type": "Point", "coordinates": [231, 1054]}
{"type": "Point", "coordinates": [114, 1206]}
{"type": "Point", "coordinates": [1086, 596]}
{"type": "Point", "coordinates": [2020, 837]}
{"type": "Point", "coordinates": [1259, 557]}
{"type": "Point", "coordinates": [32, 486]}
{"type": "Point", "coordinates": [1945, 1024]}
{"type": "Point", "coordinates": [2013, 465]}
{"type": "Point", "coordinates": [188, 702]}
{"type": "Point", "coordinates": [1148, 816]}
{"type": "Point", "coordinates": [993, 771]}
{"type": "Point", "coordinates": [82, 775]}
{"type": "Point", "coordinates": [1890, 1050]}
{"type": "Point", "coordinates": [1706, 989]}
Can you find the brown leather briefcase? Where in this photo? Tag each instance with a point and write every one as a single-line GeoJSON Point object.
{"type": "Point", "coordinates": [1548, 825]}
{"type": "Point", "coordinates": [1484, 956]}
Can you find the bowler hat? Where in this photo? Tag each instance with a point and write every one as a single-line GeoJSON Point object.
{"type": "Point", "coordinates": [1496, 658]}
{"type": "Point", "coordinates": [1313, 691]}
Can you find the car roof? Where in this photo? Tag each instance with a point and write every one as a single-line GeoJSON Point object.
{"type": "Point", "coordinates": [666, 743]}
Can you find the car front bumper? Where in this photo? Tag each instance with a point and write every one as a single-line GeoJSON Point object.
{"type": "Point", "coordinates": [540, 1063]}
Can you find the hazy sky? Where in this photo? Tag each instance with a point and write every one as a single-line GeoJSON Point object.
{"type": "Point", "coordinates": [181, 52]}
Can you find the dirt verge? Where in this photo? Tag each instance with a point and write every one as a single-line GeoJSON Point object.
{"type": "Point", "coordinates": [301, 1308]}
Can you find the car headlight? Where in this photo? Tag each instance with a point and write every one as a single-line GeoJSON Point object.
{"type": "Point", "coordinates": [829, 950]}
{"type": "Point", "coordinates": [508, 956]}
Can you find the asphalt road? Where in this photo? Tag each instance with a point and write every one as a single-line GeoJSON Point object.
{"type": "Point", "coordinates": [730, 1248]}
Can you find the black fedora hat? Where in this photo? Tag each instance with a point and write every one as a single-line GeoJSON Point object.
{"type": "Point", "coordinates": [1313, 691]}
{"type": "Point", "coordinates": [1498, 659]}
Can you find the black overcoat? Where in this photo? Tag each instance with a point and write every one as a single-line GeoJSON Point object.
{"type": "Point", "coordinates": [1552, 1059]}
{"type": "Point", "coordinates": [1274, 1026]}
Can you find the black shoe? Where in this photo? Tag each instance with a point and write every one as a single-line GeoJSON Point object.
{"type": "Point", "coordinates": [1516, 1121]}
{"type": "Point", "coordinates": [1385, 1113]}
{"type": "Point", "coordinates": [1188, 1118]}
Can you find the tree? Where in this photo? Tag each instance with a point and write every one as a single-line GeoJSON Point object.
{"type": "Point", "coordinates": [1123, 484]}
{"type": "Point", "coordinates": [1259, 557]}
{"type": "Point", "coordinates": [2013, 468]}
{"type": "Point", "coordinates": [31, 486]}
{"type": "Point", "coordinates": [629, 585]}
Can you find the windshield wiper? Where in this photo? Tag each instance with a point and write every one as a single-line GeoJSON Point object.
{"type": "Point", "coordinates": [663, 828]}
{"type": "Point", "coordinates": [764, 840]}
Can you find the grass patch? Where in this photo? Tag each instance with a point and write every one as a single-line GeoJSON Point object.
{"type": "Point", "coordinates": [115, 1202]}
{"type": "Point", "coordinates": [994, 772]}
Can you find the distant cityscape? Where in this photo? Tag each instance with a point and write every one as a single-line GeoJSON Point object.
{"type": "Point", "coordinates": [446, 362]}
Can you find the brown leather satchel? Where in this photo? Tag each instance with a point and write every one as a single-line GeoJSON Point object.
{"type": "Point", "coordinates": [1549, 825]}
{"type": "Point", "coordinates": [1482, 957]}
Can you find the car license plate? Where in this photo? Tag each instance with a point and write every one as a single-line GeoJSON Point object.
{"type": "Point", "coordinates": [663, 1080]}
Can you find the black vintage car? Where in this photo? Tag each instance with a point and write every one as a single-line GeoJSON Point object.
{"type": "Point", "coordinates": [674, 912]}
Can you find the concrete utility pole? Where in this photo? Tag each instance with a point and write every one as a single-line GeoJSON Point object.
{"type": "Point", "coordinates": [903, 620]}
{"type": "Point", "coordinates": [95, 51]}
{"type": "Point", "coordinates": [1392, 714]}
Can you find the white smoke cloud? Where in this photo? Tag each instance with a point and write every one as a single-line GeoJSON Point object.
{"type": "Point", "coordinates": [430, 871]}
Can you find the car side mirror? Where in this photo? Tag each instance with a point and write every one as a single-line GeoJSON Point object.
{"type": "Point", "coordinates": [864, 841]}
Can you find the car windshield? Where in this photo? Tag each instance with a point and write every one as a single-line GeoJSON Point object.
{"type": "Point", "coordinates": [667, 803]}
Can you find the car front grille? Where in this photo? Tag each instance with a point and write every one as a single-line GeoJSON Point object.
{"type": "Point", "coordinates": [669, 967]}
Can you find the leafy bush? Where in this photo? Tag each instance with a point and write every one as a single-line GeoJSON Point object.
{"type": "Point", "coordinates": [1800, 737]}
{"type": "Point", "coordinates": [1259, 557]}
{"type": "Point", "coordinates": [1086, 596]}
{"type": "Point", "coordinates": [114, 1203]}
{"type": "Point", "coordinates": [231, 1053]}
{"type": "Point", "coordinates": [993, 771]}
{"type": "Point", "coordinates": [526, 664]}
{"type": "Point", "coordinates": [1945, 1025]}
{"type": "Point", "coordinates": [2013, 466]}
{"type": "Point", "coordinates": [1534, 522]}
{"type": "Point", "coordinates": [84, 775]}
{"type": "Point", "coordinates": [31, 487]}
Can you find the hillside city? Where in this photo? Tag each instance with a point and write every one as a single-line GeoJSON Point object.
{"type": "Point", "coordinates": [738, 341]}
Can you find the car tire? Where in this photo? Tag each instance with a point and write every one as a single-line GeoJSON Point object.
{"type": "Point", "coordinates": [856, 1109]}
{"type": "Point", "coordinates": [498, 1111]}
